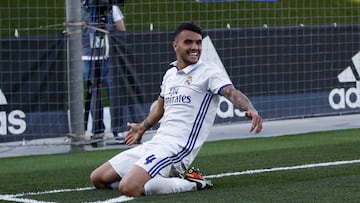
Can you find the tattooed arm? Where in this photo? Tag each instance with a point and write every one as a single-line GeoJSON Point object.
{"type": "Point", "coordinates": [242, 102]}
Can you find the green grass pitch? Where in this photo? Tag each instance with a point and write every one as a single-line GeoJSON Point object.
{"type": "Point", "coordinates": [32, 177]}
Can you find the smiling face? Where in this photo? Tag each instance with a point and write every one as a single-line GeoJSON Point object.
{"type": "Point", "coordinates": [187, 46]}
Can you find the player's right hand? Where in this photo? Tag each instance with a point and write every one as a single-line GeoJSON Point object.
{"type": "Point", "coordinates": [136, 131]}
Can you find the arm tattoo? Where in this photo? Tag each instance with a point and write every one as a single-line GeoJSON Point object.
{"type": "Point", "coordinates": [147, 125]}
{"type": "Point", "coordinates": [240, 100]}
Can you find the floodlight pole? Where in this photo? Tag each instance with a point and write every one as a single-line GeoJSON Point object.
{"type": "Point", "coordinates": [75, 69]}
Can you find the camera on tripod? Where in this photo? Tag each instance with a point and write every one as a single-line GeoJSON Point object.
{"type": "Point", "coordinates": [99, 11]}
{"type": "Point", "coordinates": [98, 18]}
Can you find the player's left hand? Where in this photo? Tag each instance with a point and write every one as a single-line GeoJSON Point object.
{"type": "Point", "coordinates": [256, 121]}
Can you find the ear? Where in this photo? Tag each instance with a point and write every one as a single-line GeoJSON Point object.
{"type": "Point", "coordinates": [174, 44]}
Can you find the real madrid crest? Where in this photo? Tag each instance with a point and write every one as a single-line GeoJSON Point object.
{"type": "Point", "coordinates": [188, 80]}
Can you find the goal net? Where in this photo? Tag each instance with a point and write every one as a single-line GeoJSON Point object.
{"type": "Point", "coordinates": [293, 58]}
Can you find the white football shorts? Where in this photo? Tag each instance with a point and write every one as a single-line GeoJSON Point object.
{"type": "Point", "coordinates": [152, 156]}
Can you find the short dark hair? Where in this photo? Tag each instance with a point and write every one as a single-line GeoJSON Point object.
{"type": "Point", "coordinates": [188, 26]}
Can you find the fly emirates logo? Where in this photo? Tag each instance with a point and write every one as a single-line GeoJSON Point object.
{"type": "Point", "coordinates": [13, 122]}
{"type": "Point", "coordinates": [175, 98]}
{"type": "Point", "coordinates": [340, 98]}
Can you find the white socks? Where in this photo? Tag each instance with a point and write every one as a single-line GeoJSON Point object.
{"type": "Point", "coordinates": [114, 185]}
{"type": "Point", "coordinates": [161, 185]}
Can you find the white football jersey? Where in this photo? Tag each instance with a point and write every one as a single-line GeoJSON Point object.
{"type": "Point", "coordinates": [191, 98]}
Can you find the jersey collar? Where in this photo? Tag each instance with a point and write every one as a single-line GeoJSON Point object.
{"type": "Point", "coordinates": [187, 69]}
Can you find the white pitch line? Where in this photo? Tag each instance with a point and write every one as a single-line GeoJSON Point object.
{"type": "Point", "coordinates": [15, 198]}
{"type": "Point", "coordinates": [122, 198]}
{"type": "Point", "coordinates": [53, 191]}
{"type": "Point", "coordinates": [23, 200]}
{"type": "Point", "coordinates": [336, 163]}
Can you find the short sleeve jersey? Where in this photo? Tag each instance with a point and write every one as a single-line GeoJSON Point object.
{"type": "Point", "coordinates": [190, 102]}
{"type": "Point", "coordinates": [117, 14]}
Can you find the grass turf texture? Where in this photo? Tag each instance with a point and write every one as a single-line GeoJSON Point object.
{"type": "Point", "coordinates": [33, 17]}
{"type": "Point", "coordinates": [323, 184]}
